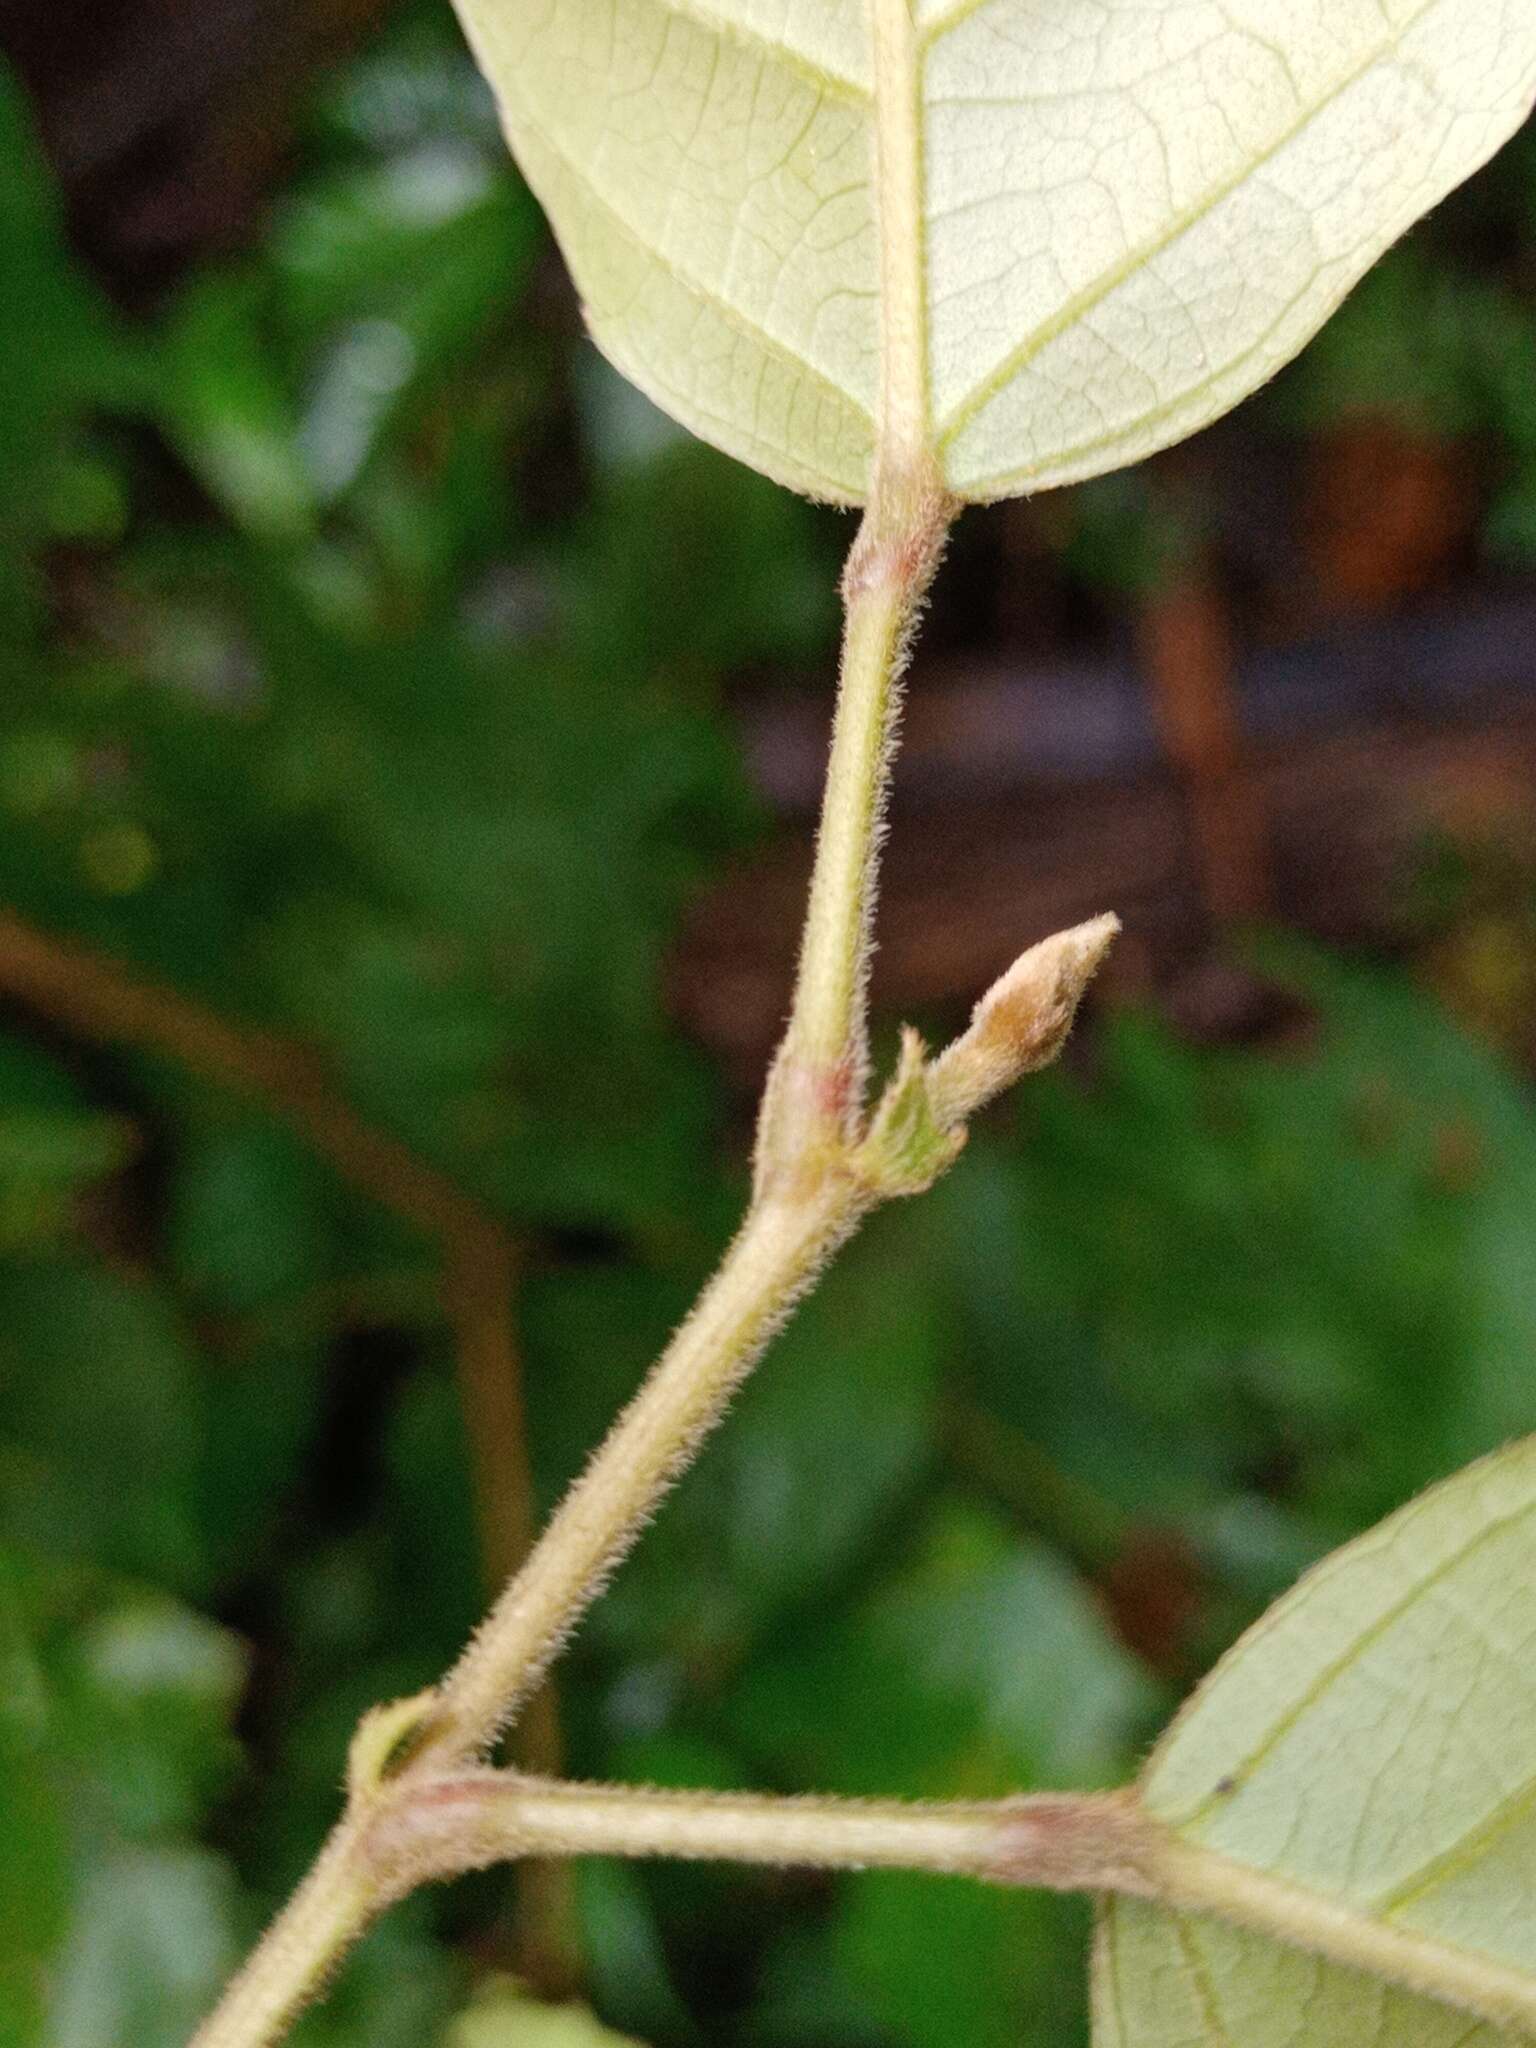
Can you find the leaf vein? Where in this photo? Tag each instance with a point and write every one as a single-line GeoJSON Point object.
{"type": "Point", "coordinates": [728, 28]}
{"type": "Point", "coordinates": [728, 311]}
{"type": "Point", "coordinates": [1134, 260]}
{"type": "Point", "coordinates": [1198, 1972]}
{"type": "Point", "coordinates": [1466, 1852]}
{"type": "Point", "coordinates": [1242, 1772]}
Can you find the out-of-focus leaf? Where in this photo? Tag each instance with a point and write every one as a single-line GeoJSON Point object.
{"type": "Point", "coordinates": [128, 1696]}
{"type": "Point", "coordinates": [253, 1217]}
{"type": "Point", "coordinates": [99, 1422]}
{"type": "Point", "coordinates": [438, 1563]}
{"type": "Point", "coordinates": [1298, 1263]}
{"type": "Point", "coordinates": [436, 283]}
{"type": "Point", "coordinates": [114, 1734]}
{"type": "Point", "coordinates": [626, 1964]}
{"type": "Point", "coordinates": [153, 1938]}
{"type": "Point", "coordinates": [264, 1416]}
{"type": "Point", "coordinates": [52, 1145]}
{"type": "Point", "coordinates": [145, 1694]}
{"type": "Point", "coordinates": [34, 1870]}
{"type": "Point", "coordinates": [64, 353]}
{"type": "Point", "coordinates": [952, 1965]}
{"type": "Point", "coordinates": [979, 1667]}
{"type": "Point", "coordinates": [57, 1148]}
{"type": "Point", "coordinates": [226, 410]}
{"type": "Point", "coordinates": [504, 2015]}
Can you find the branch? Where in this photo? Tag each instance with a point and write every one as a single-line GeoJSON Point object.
{"type": "Point", "coordinates": [442, 1827]}
{"type": "Point", "coordinates": [98, 1000]}
{"type": "Point", "coordinates": [94, 999]}
{"type": "Point", "coordinates": [1103, 1843]}
{"type": "Point", "coordinates": [822, 1164]}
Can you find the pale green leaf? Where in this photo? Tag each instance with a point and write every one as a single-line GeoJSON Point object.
{"type": "Point", "coordinates": [503, 2015]}
{"type": "Point", "coordinates": [1075, 230]}
{"type": "Point", "coordinates": [1167, 1981]}
{"type": "Point", "coordinates": [1371, 1743]}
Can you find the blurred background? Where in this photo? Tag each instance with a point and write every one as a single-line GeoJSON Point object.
{"type": "Point", "coordinates": [408, 753]}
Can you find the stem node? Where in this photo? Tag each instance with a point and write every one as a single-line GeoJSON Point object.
{"type": "Point", "coordinates": [421, 1804]}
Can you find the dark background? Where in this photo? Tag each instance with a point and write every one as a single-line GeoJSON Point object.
{"type": "Point", "coordinates": [408, 752]}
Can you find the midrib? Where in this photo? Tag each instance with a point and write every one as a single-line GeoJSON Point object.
{"type": "Point", "coordinates": [904, 436]}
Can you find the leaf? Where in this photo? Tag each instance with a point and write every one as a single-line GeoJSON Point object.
{"type": "Point", "coordinates": [153, 1940]}
{"type": "Point", "coordinates": [621, 1945]}
{"type": "Point", "coordinates": [225, 409]}
{"type": "Point", "coordinates": [991, 1670]}
{"type": "Point", "coordinates": [505, 2016]}
{"type": "Point", "coordinates": [252, 1216]}
{"type": "Point", "coordinates": [100, 1418]}
{"type": "Point", "coordinates": [1161, 1982]}
{"type": "Point", "coordinates": [34, 1882]}
{"type": "Point", "coordinates": [114, 1737]}
{"type": "Point", "coordinates": [961, 1965]}
{"type": "Point", "coordinates": [1372, 1743]}
{"type": "Point", "coordinates": [1085, 228]}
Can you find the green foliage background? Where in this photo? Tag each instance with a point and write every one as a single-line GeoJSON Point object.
{"type": "Point", "coordinates": [320, 706]}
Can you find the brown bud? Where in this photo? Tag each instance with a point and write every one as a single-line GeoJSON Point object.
{"type": "Point", "coordinates": [1021, 1023]}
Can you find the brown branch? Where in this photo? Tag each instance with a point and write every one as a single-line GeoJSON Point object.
{"type": "Point", "coordinates": [93, 998]}
{"type": "Point", "coordinates": [96, 999]}
{"type": "Point", "coordinates": [479, 1278]}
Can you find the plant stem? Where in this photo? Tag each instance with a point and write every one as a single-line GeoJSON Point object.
{"type": "Point", "coordinates": [810, 1194]}
{"type": "Point", "coordinates": [1070, 1841]}
{"type": "Point", "coordinates": [888, 574]}
{"type": "Point", "coordinates": [827, 1025]}
{"type": "Point", "coordinates": [808, 1198]}
{"type": "Point", "coordinates": [779, 1251]}
{"type": "Point", "coordinates": [299, 1950]}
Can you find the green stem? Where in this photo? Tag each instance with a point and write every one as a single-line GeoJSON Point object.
{"type": "Point", "coordinates": [815, 1096]}
{"type": "Point", "coordinates": [780, 1249]}
{"type": "Point", "coordinates": [810, 1194]}
{"type": "Point", "coordinates": [299, 1951]}
{"type": "Point", "coordinates": [826, 1026]}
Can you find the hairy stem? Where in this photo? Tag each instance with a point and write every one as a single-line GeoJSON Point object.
{"type": "Point", "coordinates": [1066, 1842]}
{"type": "Point", "coordinates": [888, 574]}
{"type": "Point", "coordinates": [809, 1195]}
{"type": "Point", "coordinates": [779, 1251]}
{"type": "Point", "coordinates": [298, 1952]}
{"type": "Point", "coordinates": [1101, 1843]}
{"type": "Point", "coordinates": [812, 1189]}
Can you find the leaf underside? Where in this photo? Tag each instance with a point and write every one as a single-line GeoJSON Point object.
{"type": "Point", "coordinates": [1132, 212]}
{"type": "Point", "coordinates": [1372, 1740]}
{"type": "Point", "coordinates": [1167, 1981]}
